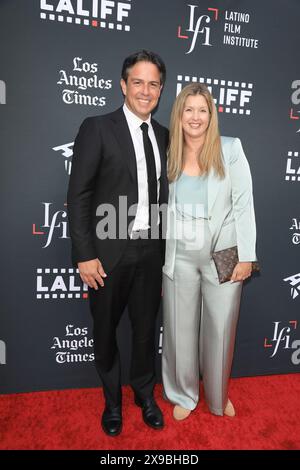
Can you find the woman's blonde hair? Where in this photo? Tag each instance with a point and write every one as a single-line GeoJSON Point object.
{"type": "Point", "coordinates": [210, 156]}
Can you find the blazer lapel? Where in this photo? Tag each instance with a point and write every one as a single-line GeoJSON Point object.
{"type": "Point", "coordinates": [213, 186]}
{"type": "Point", "coordinates": [122, 134]}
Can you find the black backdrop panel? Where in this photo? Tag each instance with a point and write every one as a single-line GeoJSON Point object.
{"type": "Point", "coordinates": [60, 62]}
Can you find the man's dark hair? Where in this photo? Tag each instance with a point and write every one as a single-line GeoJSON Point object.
{"type": "Point", "coordinates": [144, 56]}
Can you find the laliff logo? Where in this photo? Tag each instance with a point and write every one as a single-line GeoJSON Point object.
{"type": "Point", "coordinates": [76, 346]}
{"type": "Point", "coordinates": [294, 282]}
{"type": "Point", "coordinates": [292, 172]}
{"type": "Point", "coordinates": [60, 283]}
{"type": "Point", "coordinates": [104, 14]}
{"type": "Point", "coordinates": [295, 100]}
{"type": "Point", "coordinates": [200, 23]}
{"type": "Point", "coordinates": [2, 92]}
{"type": "Point", "coordinates": [66, 151]}
{"type": "Point", "coordinates": [54, 223]}
{"type": "Point", "coordinates": [85, 79]}
{"type": "Point", "coordinates": [282, 339]}
{"type": "Point", "coordinates": [230, 96]}
{"type": "Point", "coordinates": [296, 229]}
{"type": "Point", "coordinates": [2, 352]}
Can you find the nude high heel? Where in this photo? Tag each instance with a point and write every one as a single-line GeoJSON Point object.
{"type": "Point", "coordinates": [180, 413]}
{"type": "Point", "coordinates": [229, 409]}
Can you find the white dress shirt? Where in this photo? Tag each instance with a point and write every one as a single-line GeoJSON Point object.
{"type": "Point", "coordinates": [134, 123]}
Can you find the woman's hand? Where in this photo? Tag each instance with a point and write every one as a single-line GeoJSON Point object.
{"type": "Point", "coordinates": [242, 271]}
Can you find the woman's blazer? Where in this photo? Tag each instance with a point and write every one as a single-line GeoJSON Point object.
{"type": "Point", "coordinates": [231, 215]}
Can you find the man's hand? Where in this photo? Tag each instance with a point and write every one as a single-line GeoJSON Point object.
{"type": "Point", "coordinates": [241, 271]}
{"type": "Point", "coordinates": [92, 272]}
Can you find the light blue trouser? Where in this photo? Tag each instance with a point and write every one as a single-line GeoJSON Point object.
{"type": "Point", "coordinates": [199, 317]}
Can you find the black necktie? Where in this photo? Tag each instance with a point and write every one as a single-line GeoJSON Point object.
{"type": "Point", "coordinates": [151, 173]}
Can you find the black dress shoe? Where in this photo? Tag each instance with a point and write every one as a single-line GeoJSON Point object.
{"type": "Point", "coordinates": [152, 415]}
{"type": "Point", "coordinates": [112, 421]}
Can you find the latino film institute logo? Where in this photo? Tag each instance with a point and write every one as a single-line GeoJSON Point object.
{"type": "Point", "coordinates": [283, 339]}
{"type": "Point", "coordinates": [197, 29]}
{"type": "Point", "coordinates": [230, 96]}
{"type": "Point", "coordinates": [104, 14]}
{"type": "Point", "coordinates": [294, 282]}
{"type": "Point", "coordinates": [59, 284]}
{"type": "Point", "coordinates": [295, 103]}
{"type": "Point", "coordinates": [85, 84]}
{"type": "Point", "coordinates": [54, 225]}
{"type": "Point", "coordinates": [74, 347]}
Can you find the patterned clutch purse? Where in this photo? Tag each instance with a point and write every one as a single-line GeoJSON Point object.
{"type": "Point", "coordinates": [226, 260]}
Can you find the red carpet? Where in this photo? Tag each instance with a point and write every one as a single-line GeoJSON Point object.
{"type": "Point", "coordinates": [268, 417]}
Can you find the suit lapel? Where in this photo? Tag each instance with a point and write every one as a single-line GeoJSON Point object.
{"type": "Point", "coordinates": [160, 139]}
{"type": "Point", "coordinates": [123, 136]}
{"type": "Point", "coordinates": [161, 148]}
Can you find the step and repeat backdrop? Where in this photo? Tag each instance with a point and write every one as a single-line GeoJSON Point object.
{"type": "Point", "coordinates": [60, 61]}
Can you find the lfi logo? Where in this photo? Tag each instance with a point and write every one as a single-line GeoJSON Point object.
{"type": "Point", "coordinates": [53, 223]}
{"type": "Point", "coordinates": [282, 337]}
{"type": "Point", "coordinates": [199, 25]}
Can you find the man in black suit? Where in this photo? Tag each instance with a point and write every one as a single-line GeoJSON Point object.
{"type": "Point", "coordinates": [120, 158]}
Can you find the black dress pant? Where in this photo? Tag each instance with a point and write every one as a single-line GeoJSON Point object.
{"type": "Point", "coordinates": [135, 282]}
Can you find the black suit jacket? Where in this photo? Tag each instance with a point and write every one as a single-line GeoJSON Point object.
{"type": "Point", "coordinates": [104, 168]}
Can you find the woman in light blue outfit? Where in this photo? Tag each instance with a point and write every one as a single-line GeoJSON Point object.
{"type": "Point", "coordinates": [210, 209]}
